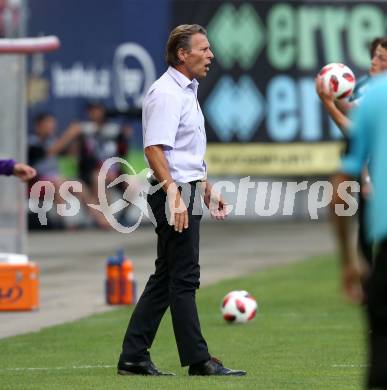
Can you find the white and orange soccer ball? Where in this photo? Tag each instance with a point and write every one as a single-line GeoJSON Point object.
{"type": "Point", "coordinates": [238, 306]}
{"type": "Point", "coordinates": [339, 78]}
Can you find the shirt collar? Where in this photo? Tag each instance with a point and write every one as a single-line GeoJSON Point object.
{"type": "Point", "coordinates": [183, 80]}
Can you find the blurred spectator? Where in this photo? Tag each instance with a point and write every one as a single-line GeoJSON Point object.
{"type": "Point", "coordinates": [43, 146]}
{"type": "Point", "coordinates": [10, 18]}
{"type": "Point", "coordinates": [43, 150]}
{"type": "Point", "coordinates": [101, 139]}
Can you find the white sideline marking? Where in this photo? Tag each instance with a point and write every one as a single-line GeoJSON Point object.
{"type": "Point", "coordinates": [55, 368]}
{"type": "Point", "coordinates": [88, 366]}
{"type": "Point", "coordinates": [349, 365]}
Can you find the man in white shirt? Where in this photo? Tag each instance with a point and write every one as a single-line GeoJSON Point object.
{"type": "Point", "coordinates": [174, 145]}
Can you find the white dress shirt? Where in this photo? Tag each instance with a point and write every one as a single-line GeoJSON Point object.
{"type": "Point", "coordinates": [172, 117]}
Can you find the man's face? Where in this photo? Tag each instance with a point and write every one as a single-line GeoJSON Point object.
{"type": "Point", "coordinates": [97, 114]}
{"type": "Point", "coordinates": [196, 62]}
{"type": "Point", "coordinates": [47, 127]}
{"type": "Point", "coordinates": [379, 61]}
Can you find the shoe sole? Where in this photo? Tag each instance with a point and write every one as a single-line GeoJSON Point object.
{"type": "Point", "coordinates": [236, 374]}
{"type": "Point", "coordinates": [123, 372]}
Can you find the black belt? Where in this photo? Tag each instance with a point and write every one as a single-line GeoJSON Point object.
{"type": "Point", "coordinates": [154, 182]}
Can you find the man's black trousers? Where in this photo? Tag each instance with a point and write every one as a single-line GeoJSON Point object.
{"type": "Point", "coordinates": [173, 285]}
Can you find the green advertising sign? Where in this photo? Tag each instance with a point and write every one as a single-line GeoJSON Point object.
{"type": "Point", "coordinates": [261, 88]}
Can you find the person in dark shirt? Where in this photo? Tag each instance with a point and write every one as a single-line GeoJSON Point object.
{"type": "Point", "coordinates": [101, 139]}
{"type": "Point", "coordinates": [43, 150]}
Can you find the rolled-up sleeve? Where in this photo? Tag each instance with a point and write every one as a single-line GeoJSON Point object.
{"type": "Point", "coordinates": [161, 119]}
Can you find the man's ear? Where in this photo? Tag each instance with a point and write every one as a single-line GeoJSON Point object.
{"type": "Point", "coordinates": [181, 55]}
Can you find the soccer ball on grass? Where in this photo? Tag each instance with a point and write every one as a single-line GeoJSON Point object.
{"type": "Point", "coordinates": [238, 307]}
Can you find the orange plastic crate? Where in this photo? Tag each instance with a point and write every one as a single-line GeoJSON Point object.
{"type": "Point", "coordinates": [19, 286]}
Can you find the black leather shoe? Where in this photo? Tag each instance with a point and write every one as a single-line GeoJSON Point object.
{"type": "Point", "coordinates": [213, 367]}
{"type": "Point", "coordinates": [140, 368]}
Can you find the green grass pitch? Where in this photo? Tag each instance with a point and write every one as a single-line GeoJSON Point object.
{"type": "Point", "coordinates": [304, 337]}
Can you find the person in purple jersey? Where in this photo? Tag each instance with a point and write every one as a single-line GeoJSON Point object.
{"type": "Point", "coordinates": [23, 171]}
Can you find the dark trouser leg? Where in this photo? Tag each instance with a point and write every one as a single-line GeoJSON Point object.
{"type": "Point", "coordinates": [182, 254]}
{"type": "Point", "coordinates": [377, 316]}
{"type": "Point", "coordinates": [365, 245]}
{"type": "Point", "coordinates": [154, 300]}
{"type": "Point", "coordinates": [146, 318]}
{"type": "Point", "coordinates": [184, 280]}
{"type": "Point", "coordinates": [184, 274]}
